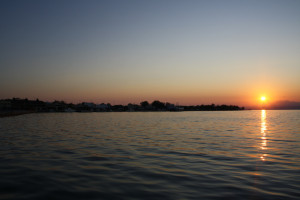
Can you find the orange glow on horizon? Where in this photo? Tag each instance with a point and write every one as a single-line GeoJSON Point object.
{"type": "Point", "coordinates": [263, 102]}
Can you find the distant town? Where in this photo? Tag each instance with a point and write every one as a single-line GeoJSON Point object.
{"type": "Point", "coordinates": [17, 106]}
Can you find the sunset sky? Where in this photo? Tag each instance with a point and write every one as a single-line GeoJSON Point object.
{"type": "Point", "coordinates": [186, 52]}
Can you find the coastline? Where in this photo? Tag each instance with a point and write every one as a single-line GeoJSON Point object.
{"type": "Point", "coordinates": [14, 113]}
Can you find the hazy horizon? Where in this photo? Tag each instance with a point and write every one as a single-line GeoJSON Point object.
{"type": "Point", "coordinates": [185, 52]}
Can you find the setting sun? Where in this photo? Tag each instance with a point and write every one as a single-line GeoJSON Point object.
{"type": "Point", "coordinates": [263, 98]}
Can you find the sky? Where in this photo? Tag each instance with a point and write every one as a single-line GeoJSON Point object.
{"type": "Point", "coordinates": [184, 52]}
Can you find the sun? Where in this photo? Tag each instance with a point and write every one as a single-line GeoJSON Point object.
{"type": "Point", "coordinates": [263, 98]}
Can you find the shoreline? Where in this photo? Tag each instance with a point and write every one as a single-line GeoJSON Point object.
{"type": "Point", "coordinates": [14, 113]}
{"type": "Point", "coordinates": [17, 113]}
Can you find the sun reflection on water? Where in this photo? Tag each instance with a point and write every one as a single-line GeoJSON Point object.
{"type": "Point", "coordinates": [263, 128]}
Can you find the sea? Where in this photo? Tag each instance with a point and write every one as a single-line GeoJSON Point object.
{"type": "Point", "coordinates": [251, 154]}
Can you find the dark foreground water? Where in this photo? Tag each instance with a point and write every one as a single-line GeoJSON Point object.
{"type": "Point", "coordinates": [185, 155]}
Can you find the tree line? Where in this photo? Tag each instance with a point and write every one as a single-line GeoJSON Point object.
{"type": "Point", "coordinates": [16, 104]}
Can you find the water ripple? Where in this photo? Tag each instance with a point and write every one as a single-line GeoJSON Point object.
{"type": "Point", "coordinates": [186, 155]}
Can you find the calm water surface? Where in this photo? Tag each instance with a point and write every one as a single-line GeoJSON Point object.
{"type": "Point", "coordinates": [152, 155]}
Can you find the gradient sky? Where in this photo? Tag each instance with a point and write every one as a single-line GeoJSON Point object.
{"type": "Point", "coordinates": [186, 52]}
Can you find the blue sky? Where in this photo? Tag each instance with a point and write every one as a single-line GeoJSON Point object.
{"type": "Point", "coordinates": [127, 51]}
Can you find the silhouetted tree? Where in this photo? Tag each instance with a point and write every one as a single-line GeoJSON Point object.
{"type": "Point", "coordinates": [158, 105]}
{"type": "Point", "coordinates": [144, 104]}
